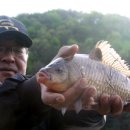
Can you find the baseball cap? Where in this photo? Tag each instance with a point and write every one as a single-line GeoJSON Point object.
{"type": "Point", "coordinates": [10, 27]}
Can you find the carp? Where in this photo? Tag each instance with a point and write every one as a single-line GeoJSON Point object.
{"type": "Point", "coordinates": [102, 68]}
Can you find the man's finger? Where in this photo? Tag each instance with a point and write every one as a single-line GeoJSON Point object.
{"type": "Point", "coordinates": [51, 97]}
{"type": "Point", "coordinates": [67, 51]}
{"type": "Point", "coordinates": [104, 104]}
{"type": "Point", "coordinates": [73, 93]}
{"type": "Point", "coordinates": [88, 95]}
{"type": "Point", "coordinates": [116, 105]}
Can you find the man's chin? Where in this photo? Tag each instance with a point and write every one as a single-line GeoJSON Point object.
{"type": "Point", "coordinates": [6, 74]}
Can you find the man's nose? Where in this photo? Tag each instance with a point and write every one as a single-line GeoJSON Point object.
{"type": "Point", "coordinates": [8, 58]}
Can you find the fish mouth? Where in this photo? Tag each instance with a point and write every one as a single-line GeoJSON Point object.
{"type": "Point", "coordinates": [44, 74]}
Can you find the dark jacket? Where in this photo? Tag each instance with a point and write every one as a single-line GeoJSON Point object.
{"type": "Point", "coordinates": [21, 108]}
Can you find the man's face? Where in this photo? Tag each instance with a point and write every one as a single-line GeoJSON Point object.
{"type": "Point", "coordinates": [13, 59]}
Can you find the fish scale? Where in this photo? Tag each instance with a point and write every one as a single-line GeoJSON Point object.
{"type": "Point", "coordinates": [107, 80]}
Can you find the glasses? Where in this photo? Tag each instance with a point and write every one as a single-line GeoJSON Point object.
{"type": "Point", "coordinates": [18, 51]}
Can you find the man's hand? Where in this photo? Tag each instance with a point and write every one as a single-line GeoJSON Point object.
{"type": "Point", "coordinates": [105, 105]}
{"type": "Point", "coordinates": [66, 99]}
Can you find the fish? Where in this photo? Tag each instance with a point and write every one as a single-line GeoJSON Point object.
{"type": "Point", "coordinates": [102, 67]}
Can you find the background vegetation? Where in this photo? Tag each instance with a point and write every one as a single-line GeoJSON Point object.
{"type": "Point", "coordinates": [53, 29]}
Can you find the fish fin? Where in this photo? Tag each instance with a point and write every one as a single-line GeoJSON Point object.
{"type": "Point", "coordinates": [63, 110]}
{"type": "Point", "coordinates": [111, 58]}
{"type": "Point", "coordinates": [96, 54]}
{"type": "Point", "coordinates": [78, 106]}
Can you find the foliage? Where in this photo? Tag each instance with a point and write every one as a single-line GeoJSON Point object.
{"type": "Point", "coordinates": [53, 29]}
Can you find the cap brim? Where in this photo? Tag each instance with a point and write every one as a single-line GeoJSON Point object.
{"type": "Point", "coordinates": [23, 39]}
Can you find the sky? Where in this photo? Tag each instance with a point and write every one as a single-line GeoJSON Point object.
{"type": "Point", "coordinates": [15, 7]}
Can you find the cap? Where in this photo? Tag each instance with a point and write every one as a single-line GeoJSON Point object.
{"type": "Point", "coordinates": [10, 27]}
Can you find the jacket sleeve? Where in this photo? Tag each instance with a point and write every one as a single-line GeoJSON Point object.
{"type": "Point", "coordinates": [9, 102]}
{"type": "Point", "coordinates": [34, 110]}
{"type": "Point", "coordinates": [20, 104]}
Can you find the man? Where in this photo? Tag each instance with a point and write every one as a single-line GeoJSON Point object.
{"type": "Point", "coordinates": [24, 105]}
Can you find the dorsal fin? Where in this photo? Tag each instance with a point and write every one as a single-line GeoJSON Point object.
{"type": "Point", "coordinates": [112, 58]}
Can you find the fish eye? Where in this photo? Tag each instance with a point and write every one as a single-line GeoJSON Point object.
{"type": "Point", "coordinates": [59, 70]}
